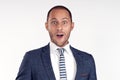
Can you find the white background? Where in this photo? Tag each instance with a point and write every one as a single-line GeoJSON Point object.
{"type": "Point", "coordinates": [97, 31]}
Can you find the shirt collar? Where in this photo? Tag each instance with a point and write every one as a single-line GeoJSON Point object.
{"type": "Point", "coordinates": [54, 47]}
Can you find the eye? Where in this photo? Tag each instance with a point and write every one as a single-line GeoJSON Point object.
{"type": "Point", "coordinates": [54, 22]}
{"type": "Point", "coordinates": [64, 22]}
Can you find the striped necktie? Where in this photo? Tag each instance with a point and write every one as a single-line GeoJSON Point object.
{"type": "Point", "coordinates": [62, 68]}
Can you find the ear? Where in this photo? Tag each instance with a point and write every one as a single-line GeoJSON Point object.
{"type": "Point", "coordinates": [46, 26]}
{"type": "Point", "coordinates": [72, 26]}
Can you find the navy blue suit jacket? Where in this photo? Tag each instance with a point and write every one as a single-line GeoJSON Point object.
{"type": "Point", "coordinates": [36, 65]}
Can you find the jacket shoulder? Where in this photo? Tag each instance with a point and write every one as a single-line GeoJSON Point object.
{"type": "Point", "coordinates": [81, 54]}
{"type": "Point", "coordinates": [38, 51]}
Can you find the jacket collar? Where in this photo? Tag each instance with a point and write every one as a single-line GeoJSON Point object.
{"type": "Point", "coordinates": [47, 62]}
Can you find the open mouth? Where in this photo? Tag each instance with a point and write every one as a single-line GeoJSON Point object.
{"type": "Point", "coordinates": [59, 35]}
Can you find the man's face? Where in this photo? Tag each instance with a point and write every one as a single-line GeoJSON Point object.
{"type": "Point", "coordinates": [59, 26]}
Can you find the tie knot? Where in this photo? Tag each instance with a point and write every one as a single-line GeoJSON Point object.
{"type": "Point", "coordinates": [61, 50]}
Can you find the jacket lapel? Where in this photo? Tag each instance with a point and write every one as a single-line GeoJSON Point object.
{"type": "Point", "coordinates": [47, 62]}
{"type": "Point", "coordinates": [48, 66]}
{"type": "Point", "coordinates": [79, 62]}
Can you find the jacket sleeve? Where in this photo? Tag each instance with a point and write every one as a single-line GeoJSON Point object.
{"type": "Point", "coordinates": [25, 69]}
{"type": "Point", "coordinates": [92, 75]}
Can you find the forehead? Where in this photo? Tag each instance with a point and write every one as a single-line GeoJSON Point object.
{"type": "Point", "coordinates": [59, 14]}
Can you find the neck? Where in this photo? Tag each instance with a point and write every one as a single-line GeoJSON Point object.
{"type": "Point", "coordinates": [62, 45]}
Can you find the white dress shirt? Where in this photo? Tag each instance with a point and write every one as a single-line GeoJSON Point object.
{"type": "Point", "coordinates": [69, 61]}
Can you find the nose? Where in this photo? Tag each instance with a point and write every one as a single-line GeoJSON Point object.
{"type": "Point", "coordinates": [59, 27]}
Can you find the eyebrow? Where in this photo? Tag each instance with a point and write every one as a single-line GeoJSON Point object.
{"type": "Point", "coordinates": [53, 19]}
{"type": "Point", "coordinates": [66, 18]}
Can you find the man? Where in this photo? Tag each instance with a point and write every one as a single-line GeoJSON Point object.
{"type": "Point", "coordinates": [58, 60]}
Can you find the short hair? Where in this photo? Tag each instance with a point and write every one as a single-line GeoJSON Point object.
{"type": "Point", "coordinates": [60, 7]}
